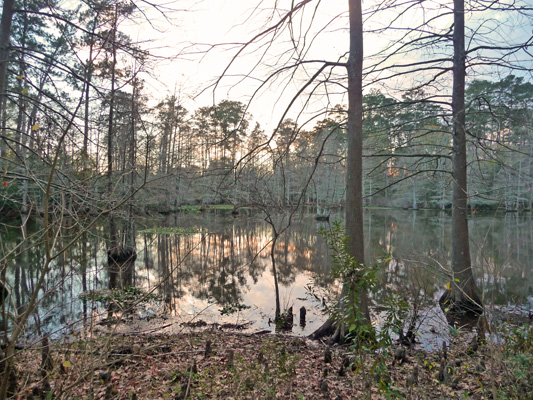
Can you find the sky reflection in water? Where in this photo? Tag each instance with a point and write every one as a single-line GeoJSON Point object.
{"type": "Point", "coordinates": [227, 267]}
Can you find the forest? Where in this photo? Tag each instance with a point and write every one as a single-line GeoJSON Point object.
{"type": "Point", "coordinates": [127, 183]}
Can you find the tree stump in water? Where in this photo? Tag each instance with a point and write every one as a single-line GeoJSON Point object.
{"type": "Point", "coordinates": [303, 313]}
{"type": "Point", "coordinates": [121, 262]}
{"type": "Point", "coordinates": [3, 293]}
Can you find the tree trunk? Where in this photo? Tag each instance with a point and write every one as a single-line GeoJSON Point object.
{"type": "Point", "coordinates": [88, 74]}
{"type": "Point", "coordinates": [3, 142]}
{"type": "Point", "coordinates": [21, 117]}
{"type": "Point", "coordinates": [462, 300]}
{"type": "Point", "coordinates": [5, 37]}
{"type": "Point", "coordinates": [113, 240]}
{"type": "Point", "coordinates": [354, 165]}
{"type": "Point", "coordinates": [129, 272]}
{"type": "Point", "coordinates": [275, 273]}
{"type": "Point", "coordinates": [88, 77]}
{"type": "Point", "coordinates": [21, 124]}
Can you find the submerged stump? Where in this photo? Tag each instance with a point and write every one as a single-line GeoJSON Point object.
{"type": "Point", "coordinates": [121, 262]}
{"type": "Point", "coordinates": [303, 313]}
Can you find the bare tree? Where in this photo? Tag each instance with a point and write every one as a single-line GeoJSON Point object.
{"type": "Point", "coordinates": [5, 34]}
{"type": "Point", "coordinates": [462, 296]}
{"type": "Point", "coordinates": [56, 179]}
{"type": "Point", "coordinates": [355, 300]}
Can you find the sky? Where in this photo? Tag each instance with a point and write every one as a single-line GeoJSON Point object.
{"type": "Point", "coordinates": [184, 36]}
{"type": "Point", "coordinates": [191, 70]}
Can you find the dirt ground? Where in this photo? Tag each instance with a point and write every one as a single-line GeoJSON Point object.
{"type": "Point", "coordinates": [217, 364]}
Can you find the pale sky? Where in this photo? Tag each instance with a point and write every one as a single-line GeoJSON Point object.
{"type": "Point", "coordinates": [209, 22]}
{"type": "Point", "coordinates": [223, 21]}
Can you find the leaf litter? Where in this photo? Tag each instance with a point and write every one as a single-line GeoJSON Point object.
{"type": "Point", "coordinates": [215, 364]}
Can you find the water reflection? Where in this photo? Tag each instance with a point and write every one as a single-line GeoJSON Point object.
{"type": "Point", "coordinates": [226, 265]}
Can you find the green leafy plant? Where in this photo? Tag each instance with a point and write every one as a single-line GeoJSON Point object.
{"type": "Point", "coordinates": [173, 230]}
{"type": "Point", "coordinates": [395, 309]}
{"type": "Point", "coordinates": [128, 294]}
{"type": "Point", "coordinates": [517, 350]}
{"type": "Point", "coordinates": [233, 308]}
{"type": "Point", "coordinates": [520, 339]}
{"type": "Point", "coordinates": [357, 277]}
{"type": "Point", "coordinates": [454, 331]}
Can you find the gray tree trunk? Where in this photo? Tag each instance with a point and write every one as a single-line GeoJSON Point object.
{"type": "Point", "coordinates": [462, 299]}
{"type": "Point", "coordinates": [354, 166]}
{"type": "Point", "coordinates": [5, 37]}
{"type": "Point", "coordinates": [113, 239]}
{"type": "Point", "coordinates": [354, 162]}
{"type": "Point", "coordinates": [3, 142]}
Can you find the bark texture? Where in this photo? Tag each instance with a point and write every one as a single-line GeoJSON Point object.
{"type": "Point", "coordinates": [354, 164]}
{"type": "Point", "coordinates": [5, 37]}
{"type": "Point", "coordinates": [462, 299]}
{"type": "Point", "coordinates": [354, 168]}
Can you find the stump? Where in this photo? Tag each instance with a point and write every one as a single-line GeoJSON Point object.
{"type": "Point", "coordinates": [47, 363]}
{"type": "Point", "coordinates": [328, 356]}
{"type": "Point", "coordinates": [303, 313]}
{"type": "Point", "coordinates": [3, 293]}
{"type": "Point", "coordinates": [121, 262]}
{"type": "Point", "coordinates": [208, 348]}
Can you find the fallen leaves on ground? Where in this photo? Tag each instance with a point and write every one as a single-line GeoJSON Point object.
{"type": "Point", "coordinates": [241, 366]}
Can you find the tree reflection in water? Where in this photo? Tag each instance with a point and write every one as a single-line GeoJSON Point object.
{"type": "Point", "coordinates": [226, 265]}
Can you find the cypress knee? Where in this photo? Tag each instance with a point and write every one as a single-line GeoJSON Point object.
{"type": "Point", "coordinates": [303, 313]}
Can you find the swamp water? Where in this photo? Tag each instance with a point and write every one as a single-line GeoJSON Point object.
{"type": "Point", "coordinates": [223, 273]}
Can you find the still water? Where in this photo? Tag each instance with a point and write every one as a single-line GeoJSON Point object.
{"type": "Point", "coordinates": [223, 273]}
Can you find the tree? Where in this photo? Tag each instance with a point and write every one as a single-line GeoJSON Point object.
{"type": "Point", "coordinates": [354, 163]}
{"type": "Point", "coordinates": [172, 126]}
{"type": "Point", "coordinates": [353, 298]}
{"type": "Point", "coordinates": [223, 128]}
{"type": "Point", "coordinates": [44, 116]}
{"type": "Point", "coordinates": [498, 119]}
{"type": "Point", "coordinates": [485, 53]}
{"type": "Point", "coordinates": [462, 298]}
{"type": "Point", "coordinates": [5, 35]}
{"type": "Point", "coordinates": [285, 137]}
{"type": "Point", "coordinates": [354, 168]}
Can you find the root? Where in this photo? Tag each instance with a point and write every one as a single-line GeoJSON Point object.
{"type": "Point", "coordinates": [328, 328]}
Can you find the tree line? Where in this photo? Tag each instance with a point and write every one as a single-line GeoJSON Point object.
{"type": "Point", "coordinates": [195, 158]}
{"type": "Point", "coordinates": [76, 68]}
